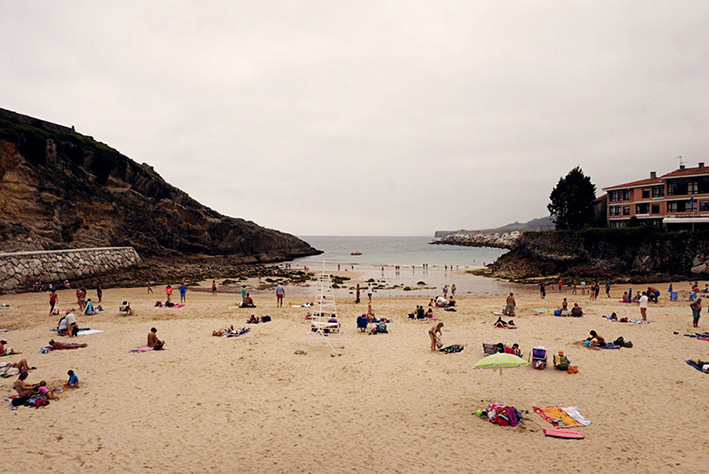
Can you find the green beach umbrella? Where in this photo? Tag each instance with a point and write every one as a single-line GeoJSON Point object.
{"type": "Point", "coordinates": [498, 362]}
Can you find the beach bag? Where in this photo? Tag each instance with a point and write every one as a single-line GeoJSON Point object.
{"type": "Point", "coordinates": [18, 402]}
{"type": "Point", "coordinates": [382, 328]}
{"type": "Point", "coordinates": [40, 402]}
{"type": "Point", "coordinates": [573, 369]}
{"type": "Point", "coordinates": [619, 342]}
{"type": "Point", "coordinates": [265, 319]}
{"type": "Point", "coordinates": [557, 312]}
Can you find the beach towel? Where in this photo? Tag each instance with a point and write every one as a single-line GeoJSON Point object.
{"type": "Point", "coordinates": [558, 417]}
{"type": "Point", "coordinates": [498, 313]}
{"type": "Point", "coordinates": [540, 311]}
{"type": "Point", "coordinates": [173, 306]}
{"type": "Point", "coordinates": [633, 321]}
{"type": "Point", "coordinates": [576, 415]}
{"type": "Point", "coordinates": [449, 309]}
{"type": "Point", "coordinates": [692, 364]}
{"type": "Point", "coordinates": [8, 355]}
{"type": "Point", "coordinates": [233, 307]}
{"type": "Point", "coordinates": [141, 349]}
{"type": "Point", "coordinates": [4, 330]}
{"type": "Point", "coordinates": [702, 336]}
{"type": "Point", "coordinates": [238, 334]}
{"type": "Point", "coordinates": [84, 331]}
{"type": "Point", "coordinates": [452, 349]}
{"type": "Point", "coordinates": [609, 345]}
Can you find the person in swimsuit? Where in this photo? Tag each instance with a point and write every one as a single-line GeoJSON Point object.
{"type": "Point", "coordinates": [56, 346]}
{"type": "Point", "coordinates": [703, 365]}
{"type": "Point", "coordinates": [599, 340]}
{"type": "Point", "coordinates": [23, 389]}
{"type": "Point", "coordinates": [435, 333]}
{"type": "Point", "coordinates": [153, 340]}
{"type": "Point", "coordinates": [696, 311]}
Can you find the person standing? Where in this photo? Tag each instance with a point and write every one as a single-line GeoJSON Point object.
{"type": "Point", "coordinates": [542, 290]}
{"type": "Point", "coordinates": [183, 292]}
{"type": "Point", "coordinates": [511, 304]}
{"type": "Point", "coordinates": [369, 292]}
{"type": "Point", "coordinates": [435, 335]}
{"type": "Point", "coordinates": [643, 306]}
{"type": "Point", "coordinates": [53, 299]}
{"type": "Point", "coordinates": [214, 287]}
{"type": "Point", "coordinates": [99, 293]}
{"type": "Point", "coordinates": [280, 293]}
{"type": "Point", "coordinates": [561, 285]}
{"type": "Point", "coordinates": [608, 288]}
{"type": "Point", "coordinates": [357, 294]}
{"type": "Point", "coordinates": [168, 293]}
{"type": "Point", "coordinates": [696, 311]}
{"type": "Point", "coordinates": [243, 293]}
{"type": "Point", "coordinates": [445, 291]}
{"type": "Point", "coordinates": [453, 289]}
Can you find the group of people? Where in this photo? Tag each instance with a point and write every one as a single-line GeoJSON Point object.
{"type": "Point", "coordinates": [594, 289]}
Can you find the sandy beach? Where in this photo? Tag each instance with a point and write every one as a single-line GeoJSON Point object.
{"type": "Point", "coordinates": [387, 404]}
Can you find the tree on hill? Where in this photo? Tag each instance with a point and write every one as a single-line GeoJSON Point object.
{"type": "Point", "coordinates": [571, 201]}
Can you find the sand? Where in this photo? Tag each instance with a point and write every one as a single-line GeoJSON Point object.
{"type": "Point", "coordinates": [387, 404]}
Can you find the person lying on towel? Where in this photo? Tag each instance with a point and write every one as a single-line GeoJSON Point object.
{"type": "Point", "coordinates": [703, 364]}
{"type": "Point", "coordinates": [57, 346]}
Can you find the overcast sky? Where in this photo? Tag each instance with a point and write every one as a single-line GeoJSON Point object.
{"type": "Point", "coordinates": [370, 118]}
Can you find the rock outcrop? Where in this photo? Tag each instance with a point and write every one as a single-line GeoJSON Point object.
{"type": "Point", "coordinates": [606, 253]}
{"type": "Point", "coordinates": [60, 189]}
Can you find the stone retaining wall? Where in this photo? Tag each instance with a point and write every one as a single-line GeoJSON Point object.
{"type": "Point", "coordinates": [58, 265]}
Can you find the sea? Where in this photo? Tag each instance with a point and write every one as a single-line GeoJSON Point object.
{"type": "Point", "coordinates": [403, 251]}
{"type": "Point", "coordinates": [399, 261]}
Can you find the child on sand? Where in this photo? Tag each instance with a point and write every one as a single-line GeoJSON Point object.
{"type": "Point", "coordinates": [73, 381]}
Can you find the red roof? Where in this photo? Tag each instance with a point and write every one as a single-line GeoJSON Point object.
{"type": "Point", "coordinates": [642, 182]}
{"type": "Point", "coordinates": [687, 172]}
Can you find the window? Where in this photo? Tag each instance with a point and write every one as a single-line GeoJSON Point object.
{"type": "Point", "coordinates": [646, 193]}
{"type": "Point", "coordinates": [642, 208]}
{"type": "Point", "coordinates": [655, 208]}
{"type": "Point", "coordinates": [626, 195]}
{"type": "Point", "coordinates": [614, 196]}
{"type": "Point", "coordinates": [672, 206]}
{"type": "Point", "coordinates": [704, 206]}
{"type": "Point", "coordinates": [658, 191]}
{"type": "Point", "coordinates": [615, 210]}
{"type": "Point", "coordinates": [626, 210]}
{"type": "Point", "coordinates": [692, 188]}
{"type": "Point", "coordinates": [681, 206]}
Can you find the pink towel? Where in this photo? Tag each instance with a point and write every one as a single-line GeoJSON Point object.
{"type": "Point", "coordinates": [142, 349]}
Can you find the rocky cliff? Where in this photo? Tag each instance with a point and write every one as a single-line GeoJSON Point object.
{"type": "Point", "coordinates": [606, 253]}
{"type": "Point", "coordinates": [60, 189]}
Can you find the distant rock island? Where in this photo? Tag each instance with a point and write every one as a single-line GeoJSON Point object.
{"type": "Point", "coordinates": [60, 189]}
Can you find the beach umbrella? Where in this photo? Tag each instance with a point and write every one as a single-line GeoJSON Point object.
{"type": "Point", "coordinates": [500, 361]}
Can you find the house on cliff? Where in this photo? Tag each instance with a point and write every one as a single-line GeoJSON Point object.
{"type": "Point", "coordinates": [677, 200]}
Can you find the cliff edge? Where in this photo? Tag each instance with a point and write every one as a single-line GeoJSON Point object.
{"type": "Point", "coordinates": [60, 189]}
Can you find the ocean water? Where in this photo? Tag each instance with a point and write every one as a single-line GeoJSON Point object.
{"type": "Point", "coordinates": [388, 251]}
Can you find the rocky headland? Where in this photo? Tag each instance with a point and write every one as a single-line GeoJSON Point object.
{"type": "Point", "coordinates": [502, 240]}
{"type": "Point", "coordinates": [60, 189]}
{"type": "Point", "coordinates": [627, 254]}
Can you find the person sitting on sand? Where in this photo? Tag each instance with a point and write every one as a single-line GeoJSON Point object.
{"type": "Point", "coordinates": [626, 298]}
{"type": "Point", "coordinates": [429, 313]}
{"type": "Point", "coordinates": [703, 365]}
{"type": "Point", "coordinates": [72, 329]}
{"type": "Point", "coordinates": [435, 334]}
{"type": "Point", "coordinates": [431, 303]}
{"type": "Point", "coordinates": [57, 346]}
{"type": "Point", "coordinates": [500, 323]}
{"type": "Point", "coordinates": [441, 302]}
{"type": "Point", "coordinates": [253, 320]}
{"type": "Point", "coordinates": [420, 313]}
{"type": "Point", "coordinates": [153, 340]}
{"type": "Point", "coordinates": [89, 308]}
{"type": "Point", "coordinates": [562, 362]}
{"type": "Point", "coordinates": [451, 301]}
{"type": "Point", "coordinates": [73, 381]}
{"type": "Point", "coordinates": [23, 389]}
{"type": "Point", "coordinates": [248, 302]}
{"type": "Point", "coordinates": [576, 310]}
{"type": "Point", "coordinates": [61, 326]}
{"type": "Point", "coordinates": [6, 350]}
{"type": "Point", "coordinates": [599, 340]}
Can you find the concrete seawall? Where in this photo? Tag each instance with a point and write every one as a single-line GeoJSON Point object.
{"type": "Point", "coordinates": [58, 265]}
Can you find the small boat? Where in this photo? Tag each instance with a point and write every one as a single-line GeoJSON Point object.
{"type": "Point", "coordinates": [356, 253]}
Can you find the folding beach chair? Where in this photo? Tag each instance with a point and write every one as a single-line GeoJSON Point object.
{"type": "Point", "coordinates": [362, 323]}
{"type": "Point", "coordinates": [489, 349]}
{"type": "Point", "coordinates": [539, 358]}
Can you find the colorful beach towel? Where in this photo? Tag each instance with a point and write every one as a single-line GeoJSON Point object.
{"type": "Point", "coordinates": [576, 415]}
{"type": "Point", "coordinates": [692, 364]}
{"type": "Point", "coordinates": [632, 321]}
{"type": "Point", "coordinates": [141, 349]}
{"type": "Point", "coordinates": [174, 306]}
{"type": "Point", "coordinates": [84, 331]}
{"type": "Point", "coordinates": [702, 336]}
{"type": "Point", "coordinates": [233, 307]}
{"type": "Point", "coordinates": [558, 417]}
{"type": "Point", "coordinates": [541, 311]}
{"type": "Point", "coordinates": [452, 349]}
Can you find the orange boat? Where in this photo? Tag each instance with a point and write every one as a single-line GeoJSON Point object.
{"type": "Point", "coordinates": [356, 253]}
